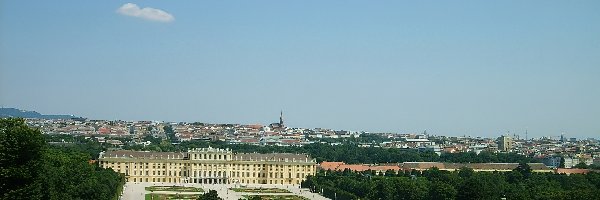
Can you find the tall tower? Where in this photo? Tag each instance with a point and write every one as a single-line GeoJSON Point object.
{"type": "Point", "coordinates": [281, 119]}
{"type": "Point", "coordinates": [505, 143]}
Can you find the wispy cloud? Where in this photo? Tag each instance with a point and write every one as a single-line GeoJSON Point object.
{"type": "Point", "coordinates": [152, 14]}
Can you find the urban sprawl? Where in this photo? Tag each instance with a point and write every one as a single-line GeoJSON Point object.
{"type": "Point", "coordinates": [558, 154]}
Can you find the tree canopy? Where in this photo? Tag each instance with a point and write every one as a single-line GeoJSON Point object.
{"type": "Point", "coordinates": [520, 183]}
{"type": "Point", "coordinates": [210, 195]}
{"type": "Point", "coordinates": [348, 152]}
{"type": "Point", "coordinates": [32, 169]}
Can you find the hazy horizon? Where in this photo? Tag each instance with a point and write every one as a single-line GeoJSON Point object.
{"type": "Point", "coordinates": [519, 134]}
{"type": "Point", "coordinates": [451, 68]}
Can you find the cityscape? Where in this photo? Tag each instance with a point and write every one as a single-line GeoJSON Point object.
{"type": "Point", "coordinates": [299, 100]}
{"type": "Point", "coordinates": [161, 153]}
{"type": "Point", "coordinates": [552, 151]}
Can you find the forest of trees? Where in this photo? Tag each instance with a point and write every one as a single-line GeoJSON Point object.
{"type": "Point", "coordinates": [346, 152]}
{"type": "Point", "coordinates": [520, 183]}
{"type": "Point", "coordinates": [32, 169]}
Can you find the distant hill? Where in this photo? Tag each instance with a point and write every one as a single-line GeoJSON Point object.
{"type": "Point", "coordinates": [13, 112]}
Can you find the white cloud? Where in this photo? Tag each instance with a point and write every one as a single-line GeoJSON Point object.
{"type": "Point", "coordinates": [152, 14]}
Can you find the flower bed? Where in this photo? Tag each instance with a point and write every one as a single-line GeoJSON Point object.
{"type": "Point", "coordinates": [174, 189]}
{"type": "Point", "coordinates": [260, 190]}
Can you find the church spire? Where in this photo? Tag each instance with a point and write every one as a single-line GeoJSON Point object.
{"type": "Point", "coordinates": [281, 118]}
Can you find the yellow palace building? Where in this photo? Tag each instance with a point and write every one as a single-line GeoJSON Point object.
{"type": "Point", "coordinates": [209, 166]}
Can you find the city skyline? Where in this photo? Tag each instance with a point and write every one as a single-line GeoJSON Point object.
{"type": "Point", "coordinates": [518, 135]}
{"type": "Point", "coordinates": [451, 68]}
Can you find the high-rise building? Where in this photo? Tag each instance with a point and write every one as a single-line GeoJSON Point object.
{"type": "Point", "coordinates": [505, 143]}
{"type": "Point", "coordinates": [210, 166]}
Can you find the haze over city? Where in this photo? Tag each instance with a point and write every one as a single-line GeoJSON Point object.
{"type": "Point", "coordinates": [479, 69]}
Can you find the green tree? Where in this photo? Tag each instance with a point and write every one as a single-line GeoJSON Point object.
{"type": "Point", "coordinates": [20, 153]}
{"type": "Point", "coordinates": [524, 169]}
{"type": "Point", "coordinates": [465, 172]}
{"type": "Point", "coordinates": [581, 165]}
{"type": "Point", "coordinates": [168, 129]}
{"type": "Point", "coordinates": [210, 195]}
{"type": "Point", "coordinates": [517, 191]}
{"type": "Point", "coordinates": [468, 184]}
{"type": "Point", "coordinates": [31, 169]}
{"type": "Point", "coordinates": [390, 173]}
{"type": "Point", "coordinates": [410, 189]}
{"type": "Point", "coordinates": [256, 197]}
{"type": "Point", "coordinates": [472, 188]}
{"type": "Point", "coordinates": [442, 191]}
{"type": "Point", "coordinates": [594, 166]}
{"type": "Point", "coordinates": [383, 190]}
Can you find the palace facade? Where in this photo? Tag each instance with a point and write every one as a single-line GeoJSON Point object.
{"type": "Point", "coordinates": [209, 166]}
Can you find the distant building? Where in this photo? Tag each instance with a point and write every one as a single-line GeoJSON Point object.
{"type": "Point", "coordinates": [572, 171]}
{"type": "Point", "coordinates": [210, 166]}
{"type": "Point", "coordinates": [421, 166]}
{"type": "Point", "coordinates": [278, 126]}
{"type": "Point", "coordinates": [432, 148]}
{"type": "Point", "coordinates": [572, 139]}
{"type": "Point", "coordinates": [586, 159]}
{"type": "Point", "coordinates": [571, 162]}
{"type": "Point", "coordinates": [478, 148]}
{"type": "Point", "coordinates": [418, 142]}
{"type": "Point", "coordinates": [596, 161]}
{"type": "Point", "coordinates": [552, 161]}
{"type": "Point", "coordinates": [505, 143]}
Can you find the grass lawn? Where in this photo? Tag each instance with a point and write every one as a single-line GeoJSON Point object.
{"type": "Point", "coordinates": [174, 189]}
{"type": "Point", "coordinates": [154, 196]}
{"type": "Point", "coordinates": [277, 197]}
{"type": "Point", "coordinates": [261, 190]}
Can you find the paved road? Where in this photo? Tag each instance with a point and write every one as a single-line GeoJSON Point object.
{"type": "Point", "coordinates": [136, 191]}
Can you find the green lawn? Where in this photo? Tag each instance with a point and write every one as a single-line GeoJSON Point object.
{"type": "Point", "coordinates": [260, 190]}
{"type": "Point", "coordinates": [277, 197]}
{"type": "Point", "coordinates": [154, 196]}
{"type": "Point", "coordinates": [174, 189]}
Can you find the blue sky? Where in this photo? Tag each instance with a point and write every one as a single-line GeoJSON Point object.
{"type": "Point", "coordinates": [477, 68]}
